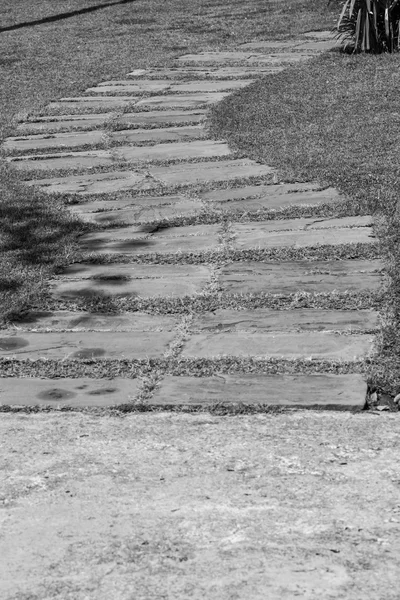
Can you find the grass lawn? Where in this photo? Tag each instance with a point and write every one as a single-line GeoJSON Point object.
{"type": "Point", "coordinates": [334, 120]}
{"type": "Point", "coordinates": [53, 49]}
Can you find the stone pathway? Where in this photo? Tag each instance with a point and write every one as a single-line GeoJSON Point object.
{"type": "Point", "coordinates": [205, 281]}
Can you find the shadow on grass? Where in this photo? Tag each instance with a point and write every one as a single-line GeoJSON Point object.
{"type": "Point", "coordinates": [37, 235]}
{"type": "Point", "coordinates": [61, 16]}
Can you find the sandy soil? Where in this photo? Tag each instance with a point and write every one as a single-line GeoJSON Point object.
{"type": "Point", "coordinates": [163, 506]}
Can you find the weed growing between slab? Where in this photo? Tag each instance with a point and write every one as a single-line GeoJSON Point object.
{"type": "Point", "coordinates": [333, 120]}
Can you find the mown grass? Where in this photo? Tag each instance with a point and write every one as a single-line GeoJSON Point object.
{"type": "Point", "coordinates": [49, 50]}
{"type": "Point", "coordinates": [334, 120]}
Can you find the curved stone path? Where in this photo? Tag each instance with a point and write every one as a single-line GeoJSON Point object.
{"type": "Point", "coordinates": [206, 281]}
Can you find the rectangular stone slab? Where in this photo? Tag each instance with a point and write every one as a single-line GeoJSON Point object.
{"type": "Point", "coordinates": [209, 86]}
{"type": "Point", "coordinates": [303, 345]}
{"type": "Point", "coordinates": [98, 183]}
{"type": "Point", "coordinates": [64, 122]}
{"type": "Point", "coordinates": [340, 392]}
{"type": "Point", "coordinates": [135, 280]}
{"type": "Point", "coordinates": [250, 237]}
{"type": "Point", "coordinates": [266, 197]}
{"type": "Point", "coordinates": [60, 140]}
{"type": "Point", "coordinates": [183, 100]}
{"type": "Point", "coordinates": [265, 319]}
{"type": "Point", "coordinates": [126, 233]}
{"type": "Point", "coordinates": [104, 244]}
{"type": "Point", "coordinates": [260, 230]}
{"type": "Point", "coordinates": [228, 170]}
{"type": "Point", "coordinates": [291, 277]}
{"type": "Point", "coordinates": [138, 210]}
{"type": "Point", "coordinates": [58, 393]}
{"type": "Point", "coordinates": [90, 103]}
{"type": "Point", "coordinates": [205, 72]}
{"type": "Point", "coordinates": [96, 321]}
{"type": "Point", "coordinates": [129, 87]}
{"type": "Point", "coordinates": [225, 57]}
{"type": "Point", "coordinates": [85, 345]}
{"type": "Point", "coordinates": [174, 151]}
{"type": "Point", "coordinates": [155, 118]}
{"type": "Point", "coordinates": [63, 161]}
{"type": "Point", "coordinates": [164, 134]}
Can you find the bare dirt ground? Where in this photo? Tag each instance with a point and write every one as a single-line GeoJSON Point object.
{"type": "Point", "coordinates": [175, 506]}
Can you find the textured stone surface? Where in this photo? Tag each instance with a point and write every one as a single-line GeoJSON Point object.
{"type": "Point", "coordinates": [306, 345]}
{"type": "Point", "coordinates": [265, 319]}
{"type": "Point", "coordinates": [129, 87]}
{"type": "Point", "coordinates": [165, 134]}
{"type": "Point", "coordinates": [64, 161]}
{"type": "Point", "coordinates": [258, 237]}
{"type": "Point", "coordinates": [59, 393]}
{"type": "Point", "coordinates": [98, 183]}
{"type": "Point", "coordinates": [65, 320]}
{"type": "Point", "coordinates": [213, 72]}
{"type": "Point", "coordinates": [327, 391]}
{"type": "Point", "coordinates": [238, 57]}
{"type": "Point", "coordinates": [131, 280]}
{"type": "Point", "coordinates": [209, 86]}
{"type": "Point", "coordinates": [61, 140]}
{"type": "Point", "coordinates": [292, 277]}
{"type": "Point", "coordinates": [136, 210]}
{"type": "Point", "coordinates": [155, 117]}
{"type": "Point", "coordinates": [228, 170]}
{"type": "Point", "coordinates": [183, 100]}
{"type": "Point", "coordinates": [85, 345]}
{"type": "Point", "coordinates": [126, 241]}
{"type": "Point", "coordinates": [64, 122]}
{"type": "Point", "coordinates": [88, 103]}
{"type": "Point", "coordinates": [258, 231]}
{"type": "Point", "coordinates": [173, 151]}
{"type": "Point", "coordinates": [264, 197]}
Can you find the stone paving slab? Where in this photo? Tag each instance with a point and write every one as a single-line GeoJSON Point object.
{"type": "Point", "coordinates": [226, 57]}
{"type": "Point", "coordinates": [61, 140]}
{"type": "Point", "coordinates": [229, 170]}
{"type": "Point", "coordinates": [342, 392]}
{"type": "Point", "coordinates": [292, 277]}
{"type": "Point", "coordinates": [264, 319]}
{"type": "Point", "coordinates": [164, 134]}
{"type": "Point", "coordinates": [126, 86]}
{"type": "Point", "coordinates": [209, 86]}
{"type": "Point", "coordinates": [85, 345]}
{"type": "Point", "coordinates": [98, 183]}
{"type": "Point", "coordinates": [87, 321]}
{"type": "Point", "coordinates": [138, 210]}
{"type": "Point", "coordinates": [262, 197]}
{"type": "Point", "coordinates": [207, 72]}
{"type": "Point", "coordinates": [155, 118]}
{"type": "Point", "coordinates": [58, 393]}
{"type": "Point", "coordinates": [63, 161]}
{"type": "Point", "coordinates": [126, 241]}
{"type": "Point", "coordinates": [64, 122]}
{"type": "Point", "coordinates": [135, 280]}
{"type": "Point", "coordinates": [287, 345]}
{"type": "Point", "coordinates": [174, 151]}
{"type": "Point", "coordinates": [183, 100]}
{"type": "Point", "coordinates": [85, 103]}
{"type": "Point", "coordinates": [258, 230]}
{"type": "Point", "coordinates": [248, 238]}
{"type": "Point", "coordinates": [126, 233]}
{"type": "Point", "coordinates": [271, 45]}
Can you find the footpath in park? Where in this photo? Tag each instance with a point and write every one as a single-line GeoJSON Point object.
{"type": "Point", "coordinates": [198, 286]}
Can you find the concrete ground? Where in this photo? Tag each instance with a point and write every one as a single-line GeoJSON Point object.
{"type": "Point", "coordinates": [175, 506]}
